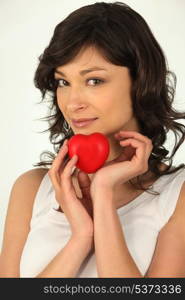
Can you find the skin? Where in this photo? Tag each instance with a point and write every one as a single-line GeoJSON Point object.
{"type": "Point", "coordinates": [80, 97]}
{"type": "Point", "coordinates": [102, 230]}
{"type": "Point", "coordinates": [110, 101]}
{"type": "Point", "coordinates": [108, 188]}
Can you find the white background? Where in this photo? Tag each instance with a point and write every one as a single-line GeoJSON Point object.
{"type": "Point", "coordinates": [26, 27]}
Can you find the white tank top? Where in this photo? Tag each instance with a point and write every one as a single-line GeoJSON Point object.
{"type": "Point", "coordinates": [141, 220]}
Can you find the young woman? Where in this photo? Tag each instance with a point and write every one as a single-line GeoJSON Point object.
{"type": "Point", "coordinates": [104, 72]}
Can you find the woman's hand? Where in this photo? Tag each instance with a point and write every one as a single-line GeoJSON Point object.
{"type": "Point", "coordinates": [78, 211]}
{"type": "Point", "coordinates": [132, 162]}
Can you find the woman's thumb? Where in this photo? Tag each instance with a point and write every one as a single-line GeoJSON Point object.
{"type": "Point", "coordinates": [84, 183]}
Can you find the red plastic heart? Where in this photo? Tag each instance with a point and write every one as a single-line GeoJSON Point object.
{"type": "Point", "coordinates": [92, 151]}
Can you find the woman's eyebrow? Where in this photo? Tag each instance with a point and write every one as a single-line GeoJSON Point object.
{"type": "Point", "coordinates": [83, 72]}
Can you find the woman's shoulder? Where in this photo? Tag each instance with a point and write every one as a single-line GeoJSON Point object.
{"type": "Point", "coordinates": [23, 194]}
{"type": "Point", "coordinates": [17, 223]}
{"type": "Point", "coordinates": [27, 185]}
{"type": "Point", "coordinates": [36, 174]}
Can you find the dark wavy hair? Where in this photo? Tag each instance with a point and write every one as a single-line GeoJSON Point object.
{"type": "Point", "coordinates": [123, 38]}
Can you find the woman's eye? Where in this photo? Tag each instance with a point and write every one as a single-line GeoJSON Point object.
{"type": "Point", "coordinates": [62, 82]}
{"type": "Point", "coordinates": [96, 79]}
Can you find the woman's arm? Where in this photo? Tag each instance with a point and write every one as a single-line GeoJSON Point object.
{"type": "Point", "coordinates": [17, 223]}
{"type": "Point", "coordinates": [112, 255]}
{"type": "Point", "coordinates": [169, 255]}
{"type": "Point", "coordinates": [17, 228]}
{"type": "Point", "coordinates": [68, 261]}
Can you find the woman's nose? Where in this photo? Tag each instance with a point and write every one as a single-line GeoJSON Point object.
{"type": "Point", "coordinates": [76, 100]}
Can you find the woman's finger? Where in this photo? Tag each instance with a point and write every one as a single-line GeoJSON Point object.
{"type": "Point", "coordinates": [57, 164]}
{"type": "Point", "coordinates": [142, 153]}
{"type": "Point", "coordinates": [139, 145]}
{"type": "Point", "coordinates": [134, 134]}
{"type": "Point", "coordinates": [67, 172]}
{"type": "Point", "coordinates": [84, 184]}
{"type": "Point", "coordinates": [137, 136]}
{"type": "Point", "coordinates": [60, 156]}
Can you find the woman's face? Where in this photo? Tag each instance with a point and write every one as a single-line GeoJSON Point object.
{"type": "Point", "coordinates": [102, 94]}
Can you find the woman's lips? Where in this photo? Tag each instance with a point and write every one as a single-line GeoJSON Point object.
{"type": "Point", "coordinates": [83, 123]}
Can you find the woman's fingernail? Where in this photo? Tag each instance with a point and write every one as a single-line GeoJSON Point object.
{"type": "Point", "coordinates": [73, 169]}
